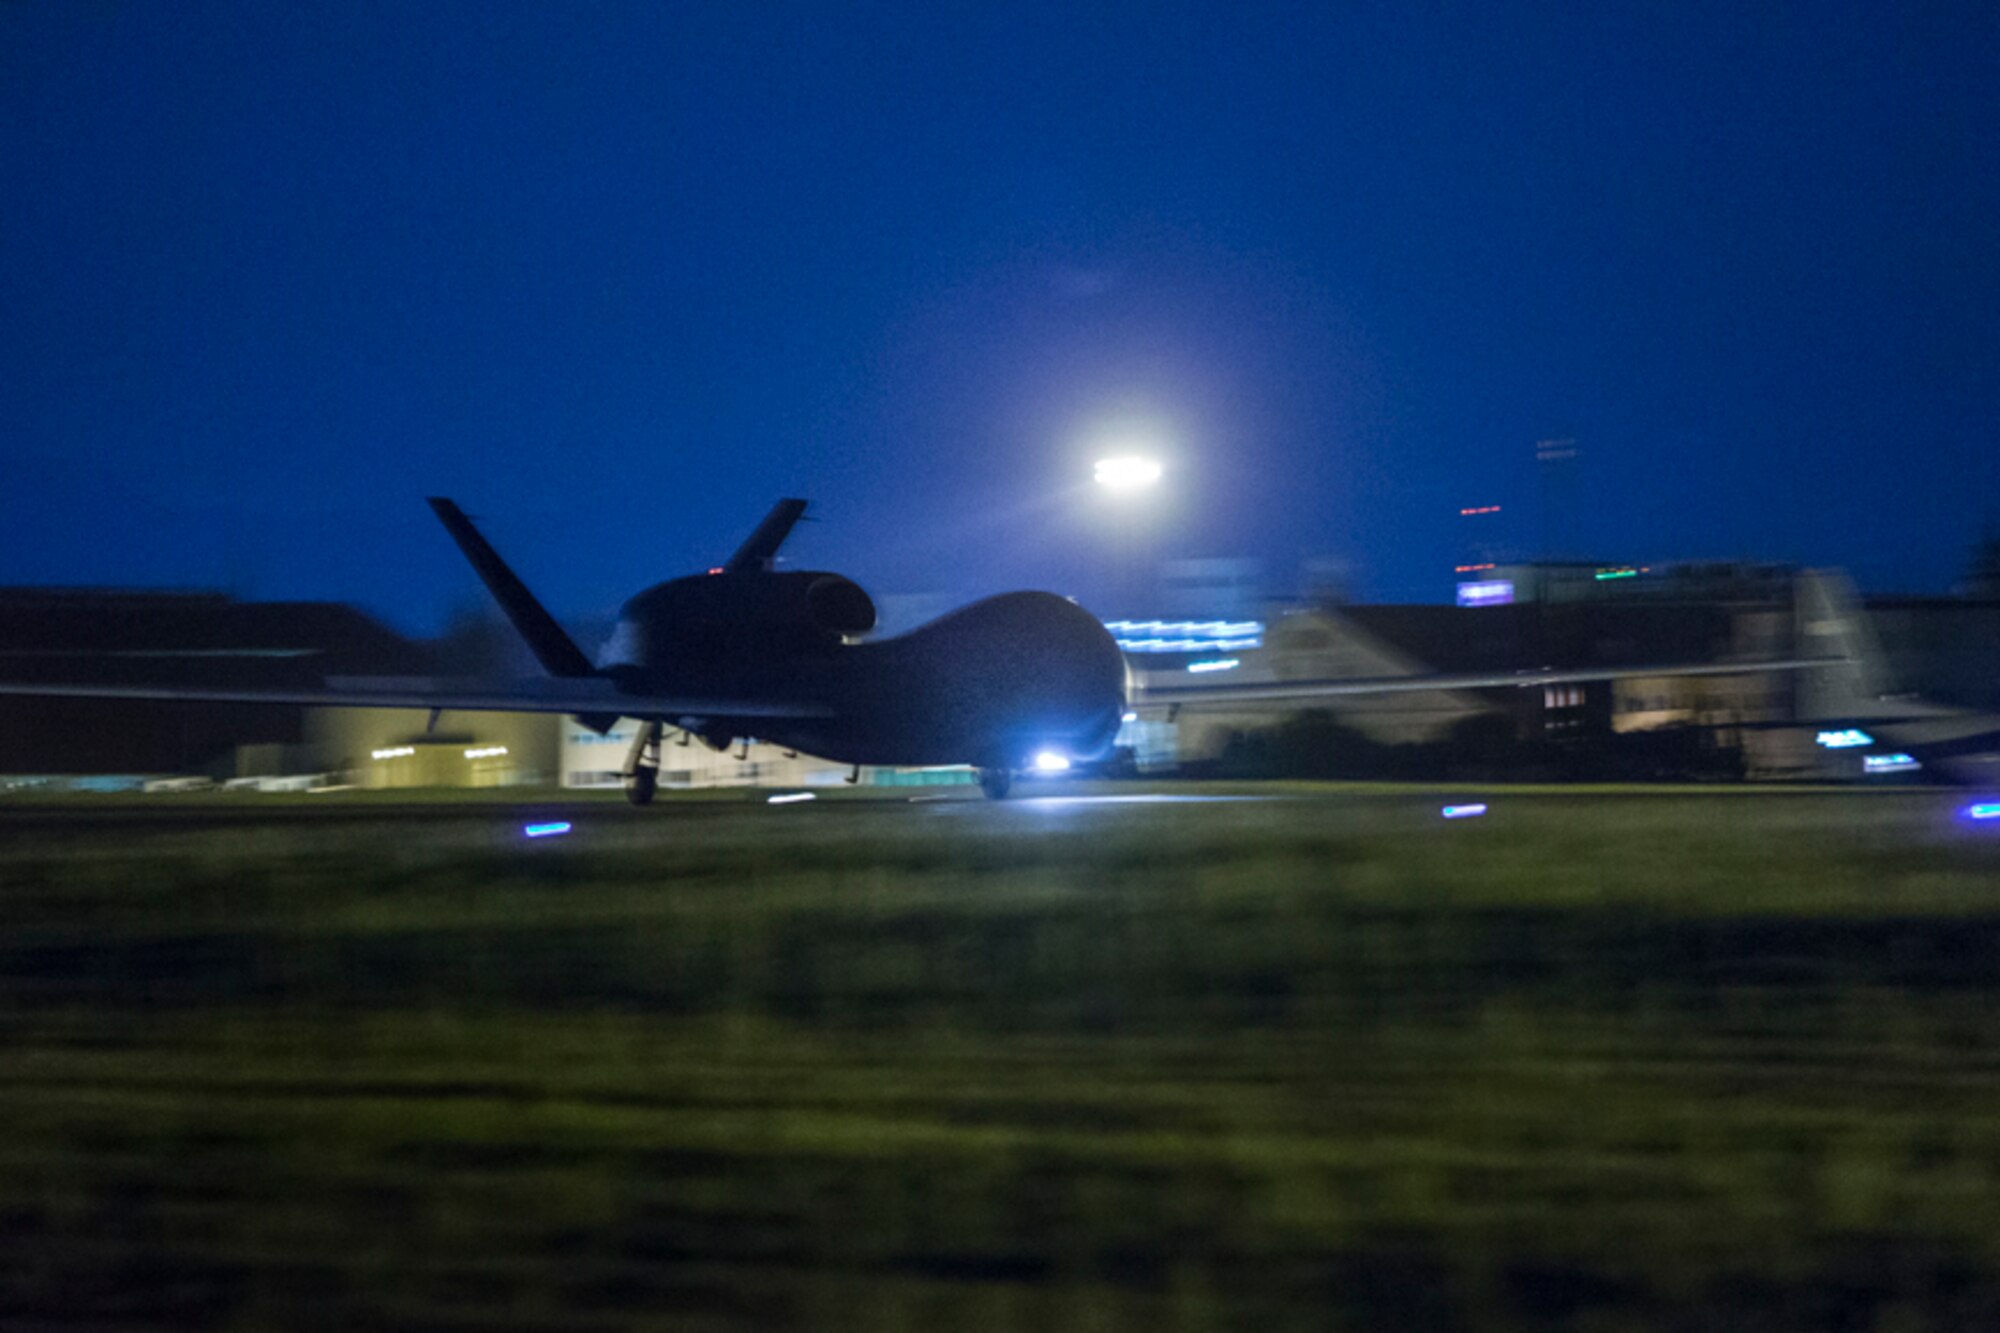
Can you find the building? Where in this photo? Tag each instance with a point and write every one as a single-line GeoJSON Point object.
{"type": "Point", "coordinates": [113, 636]}
{"type": "Point", "coordinates": [399, 747]}
{"type": "Point", "coordinates": [1945, 648]}
{"type": "Point", "coordinates": [1232, 587]}
{"type": "Point", "coordinates": [590, 760]}
{"type": "Point", "coordinates": [1577, 615]}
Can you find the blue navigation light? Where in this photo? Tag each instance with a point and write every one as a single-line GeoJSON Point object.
{"type": "Point", "coordinates": [1465, 811]}
{"type": "Point", "coordinates": [1983, 810]}
{"type": "Point", "coordinates": [1218, 664]}
{"type": "Point", "coordinates": [548, 830]}
{"type": "Point", "coordinates": [1844, 740]}
{"type": "Point", "coordinates": [1889, 763]}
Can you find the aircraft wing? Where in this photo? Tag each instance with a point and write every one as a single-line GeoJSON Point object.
{"type": "Point", "coordinates": [585, 696]}
{"type": "Point", "coordinates": [1280, 691]}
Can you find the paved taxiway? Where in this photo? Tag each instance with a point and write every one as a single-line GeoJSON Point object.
{"type": "Point", "coordinates": [193, 812]}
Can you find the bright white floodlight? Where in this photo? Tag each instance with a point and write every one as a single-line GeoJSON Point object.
{"type": "Point", "coordinates": [1048, 761]}
{"type": "Point", "coordinates": [1130, 473]}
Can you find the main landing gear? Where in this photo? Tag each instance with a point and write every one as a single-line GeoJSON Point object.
{"type": "Point", "coordinates": [642, 765]}
{"type": "Point", "coordinates": [996, 782]}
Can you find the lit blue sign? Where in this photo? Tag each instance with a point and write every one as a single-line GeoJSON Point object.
{"type": "Point", "coordinates": [1889, 763]}
{"type": "Point", "coordinates": [1488, 592]}
{"type": "Point", "coordinates": [1844, 740]}
{"type": "Point", "coordinates": [1186, 636]}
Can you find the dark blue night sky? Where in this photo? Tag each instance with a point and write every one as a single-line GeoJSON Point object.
{"type": "Point", "coordinates": [617, 277]}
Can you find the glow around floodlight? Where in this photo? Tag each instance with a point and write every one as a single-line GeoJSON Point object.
{"type": "Point", "coordinates": [1048, 761]}
{"type": "Point", "coordinates": [1128, 472]}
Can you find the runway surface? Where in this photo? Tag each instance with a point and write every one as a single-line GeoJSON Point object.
{"type": "Point", "coordinates": [193, 810]}
{"type": "Point", "coordinates": [203, 808]}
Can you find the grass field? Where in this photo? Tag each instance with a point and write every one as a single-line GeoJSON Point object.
{"type": "Point", "coordinates": [1601, 1061]}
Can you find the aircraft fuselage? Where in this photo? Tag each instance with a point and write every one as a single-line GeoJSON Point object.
{"type": "Point", "coordinates": [992, 684]}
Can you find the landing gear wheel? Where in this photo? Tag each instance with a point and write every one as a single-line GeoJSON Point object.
{"type": "Point", "coordinates": [641, 784]}
{"type": "Point", "coordinates": [996, 782]}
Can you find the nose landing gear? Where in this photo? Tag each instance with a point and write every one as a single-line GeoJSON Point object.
{"type": "Point", "coordinates": [996, 782]}
{"type": "Point", "coordinates": [642, 765]}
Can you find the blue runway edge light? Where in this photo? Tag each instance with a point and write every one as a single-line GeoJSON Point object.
{"type": "Point", "coordinates": [1464, 811]}
{"type": "Point", "coordinates": [1983, 810]}
{"type": "Point", "coordinates": [548, 830]}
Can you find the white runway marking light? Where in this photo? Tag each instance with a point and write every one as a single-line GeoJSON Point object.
{"type": "Point", "coordinates": [1465, 811]}
{"type": "Point", "coordinates": [792, 798]}
{"type": "Point", "coordinates": [548, 830]}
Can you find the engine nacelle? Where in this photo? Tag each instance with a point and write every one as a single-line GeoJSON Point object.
{"type": "Point", "coordinates": [838, 605]}
{"type": "Point", "coordinates": [721, 616]}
